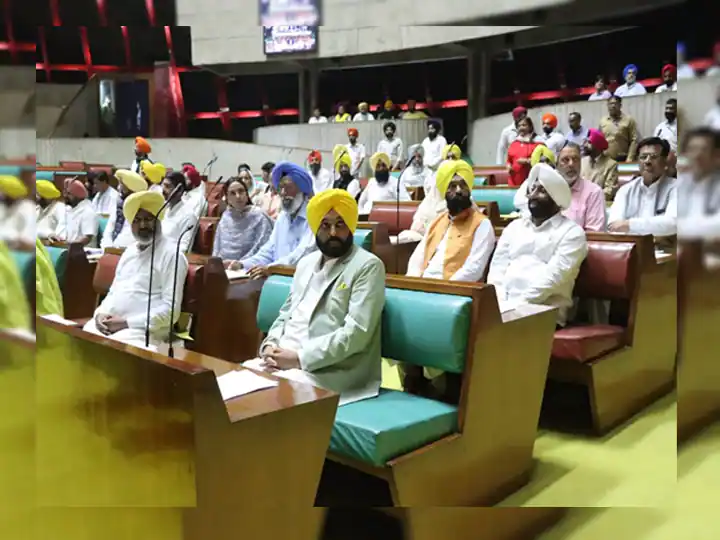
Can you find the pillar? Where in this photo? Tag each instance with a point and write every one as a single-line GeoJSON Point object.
{"type": "Point", "coordinates": [478, 90]}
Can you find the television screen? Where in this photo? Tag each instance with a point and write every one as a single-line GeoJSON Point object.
{"type": "Point", "coordinates": [286, 39]}
{"type": "Point", "coordinates": [280, 12]}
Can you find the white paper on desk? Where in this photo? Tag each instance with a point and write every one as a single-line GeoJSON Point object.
{"type": "Point", "coordinates": [507, 305]}
{"type": "Point", "coordinates": [662, 255]}
{"type": "Point", "coordinates": [236, 274]}
{"type": "Point", "coordinates": [58, 319]}
{"type": "Point", "coordinates": [240, 383]}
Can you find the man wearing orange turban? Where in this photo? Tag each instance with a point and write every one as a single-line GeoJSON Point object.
{"type": "Point", "coordinates": [81, 223]}
{"type": "Point", "coordinates": [328, 331]}
{"type": "Point", "coordinates": [142, 151]}
{"type": "Point", "coordinates": [356, 151]}
{"type": "Point", "coordinates": [550, 137]}
{"type": "Point", "coordinates": [322, 178]}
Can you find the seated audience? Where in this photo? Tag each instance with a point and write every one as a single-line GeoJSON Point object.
{"type": "Point", "coordinates": [356, 151]}
{"type": "Point", "coordinates": [460, 241]}
{"type": "Point", "coordinates": [363, 114]}
{"type": "Point", "coordinates": [620, 131]}
{"type": "Point", "coordinates": [14, 309]}
{"type": "Point", "coordinates": [322, 179]}
{"type": "Point", "coordinates": [122, 315]}
{"type": "Point", "coordinates": [597, 166]}
{"type": "Point", "coordinates": [153, 173]}
{"type": "Point", "coordinates": [382, 187]}
{"type": "Point", "coordinates": [106, 197]}
{"type": "Point", "coordinates": [17, 214]}
{"type": "Point", "coordinates": [118, 232]}
{"type": "Point", "coordinates": [179, 214]}
{"type": "Point", "coordinates": [433, 145]}
{"type": "Point", "coordinates": [550, 137]}
{"type": "Point", "coordinates": [509, 134]}
{"type": "Point", "coordinates": [520, 152]}
{"type": "Point", "coordinates": [345, 179]}
{"type": "Point", "coordinates": [699, 189]}
{"type": "Point", "coordinates": [669, 76]}
{"type": "Point", "coordinates": [392, 145]}
{"type": "Point", "coordinates": [538, 256]}
{"type": "Point", "coordinates": [587, 206]}
{"type": "Point", "coordinates": [341, 115]}
{"type": "Point", "coordinates": [243, 228]}
{"type": "Point", "coordinates": [142, 153]}
{"type": "Point", "coordinates": [601, 91]}
{"type": "Point", "coordinates": [412, 112]}
{"type": "Point", "coordinates": [50, 209]}
{"type": "Point", "coordinates": [269, 200]}
{"type": "Point", "coordinates": [647, 204]}
{"type": "Point", "coordinates": [291, 239]}
{"type": "Point", "coordinates": [685, 70]}
{"type": "Point", "coordinates": [48, 297]}
{"type": "Point", "coordinates": [577, 133]}
{"type": "Point", "coordinates": [388, 112]}
{"type": "Point", "coordinates": [667, 129]}
{"type": "Point", "coordinates": [80, 224]}
{"type": "Point", "coordinates": [415, 172]}
{"type": "Point", "coordinates": [328, 330]}
{"type": "Point", "coordinates": [631, 87]}
{"type": "Point", "coordinates": [317, 117]}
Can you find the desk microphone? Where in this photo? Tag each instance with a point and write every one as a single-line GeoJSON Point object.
{"type": "Point", "coordinates": [171, 351]}
{"type": "Point", "coordinates": [210, 163]}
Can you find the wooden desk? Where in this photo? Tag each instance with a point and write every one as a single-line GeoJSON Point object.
{"type": "Point", "coordinates": [150, 439]}
{"type": "Point", "coordinates": [79, 297]}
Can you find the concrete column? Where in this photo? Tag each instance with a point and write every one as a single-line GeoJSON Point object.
{"type": "Point", "coordinates": [302, 97]}
{"type": "Point", "coordinates": [313, 87]}
{"type": "Point", "coordinates": [478, 90]}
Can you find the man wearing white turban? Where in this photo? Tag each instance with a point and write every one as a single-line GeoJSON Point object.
{"type": "Point", "coordinates": [538, 256]}
{"type": "Point", "coordinates": [122, 314]}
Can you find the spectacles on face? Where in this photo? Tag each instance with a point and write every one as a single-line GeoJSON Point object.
{"type": "Point", "coordinates": [648, 157]}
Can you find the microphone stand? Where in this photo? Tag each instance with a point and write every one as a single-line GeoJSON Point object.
{"type": "Point", "coordinates": [171, 350]}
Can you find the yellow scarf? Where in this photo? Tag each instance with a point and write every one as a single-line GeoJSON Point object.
{"type": "Point", "coordinates": [14, 310]}
{"type": "Point", "coordinates": [460, 239]}
{"type": "Point", "coordinates": [48, 298]}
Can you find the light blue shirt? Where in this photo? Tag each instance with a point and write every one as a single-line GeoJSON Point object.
{"type": "Point", "coordinates": [578, 138]}
{"type": "Point", "coordinates": [289, 242]}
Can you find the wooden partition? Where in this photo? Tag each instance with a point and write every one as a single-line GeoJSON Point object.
{"type": "Point", "coordinates": [79, 298]}
{"type": "Point", "coordinates": [151, 441]}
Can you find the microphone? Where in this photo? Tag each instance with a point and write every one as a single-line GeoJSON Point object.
{"type": "Point", "coordinates": [210, 163]}
{"type": "Point", "coordinates": [171, 351]}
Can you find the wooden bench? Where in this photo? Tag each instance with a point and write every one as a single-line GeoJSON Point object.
{"type": "Point", "coordinates": [496, 175]}
{"type": "Point", "coordinates": [430, 453]}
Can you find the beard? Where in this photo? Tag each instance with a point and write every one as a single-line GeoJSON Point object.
{"type": "Point", "coordinates": [570, 176]}
{"type": "Point", "coordinates": [542, 209]}
{"type": "Point", "coordinates": [144, 236]}
{"type": "Point", "coordinates": [315, 168]}
{"type": "Point", "coordinates": [293, 205]}
{"type": "Point", "coordinates": [334, 247]}
{"type": "Point", "coordinates": [432, 135]}
{"type": "Point", "coordinates": [458, 203]}
{"type": "Point", "coordinates": [382, 177]}
{"type": "Point", "coordinates": [670, 117]}
{"type": "Point", "coordinates": [548, 130]}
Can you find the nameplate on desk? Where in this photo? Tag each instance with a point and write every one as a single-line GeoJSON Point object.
{"type": "Point", "coordinates": [239, 383]}
{"type": "Point", "coordinates": [233, 275]}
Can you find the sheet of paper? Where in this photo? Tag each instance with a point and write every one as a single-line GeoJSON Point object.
{"type": "Point", "coordinates": [236, 274]}
{"type": "Point", "coordinates": [506, 305]}
{"type": "Point", "coordinates": [662, 255]}
{"type": "Point", "coordinates": [58, 319]}
{"type": "Point", "coordinates": [240, 383]}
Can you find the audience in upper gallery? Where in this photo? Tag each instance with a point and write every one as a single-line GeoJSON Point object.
{"type": "Point", "coordinates": [122, 314]}
{"type": "Point", "coordinates": [669, 76]}
{"type": "Point", "coordinates": [118, 232]}
{"type": "Point", "coordinates": [345, 179]}
{"type": "Point", "coordinates": [105, 199]}
{"type": "Point", "coordinates": [509, 134]}
{"type": "Point", "coordinates": [551, 138]}
{"type": "Point", "coordinates": [291, 238]}
{"type": "Point", "coordinates": [685, 70]}
{"type": "Point", "coordinates": [520, 152]}
{"type": "Point", "coordinates": [389, 112]}
{"type": "Point", "coordinates": [667, 129]}
{"type": "Point", "coordinates": [601, 91]}
{"type": "Point", "coordinates": [647, 204]}
{"type": "Point", "coordinates": [50, 209]}
{"type": "Point", "coordinates": [328, 331]}
{"type": "Point", "coordinates": [153, 173]}
{"type": "Point", "coordinates": [243, 227]}
{"type": "Point", "coordinates": [577, 133]}
{"type": "Point", "coordinates": [363, 114]}
{"type": "Point", "coordinates": [383, 186]}
{"type": "Point", "coordinates": [341, 115]}
{"type": "Point", "coordinates": [179, 214]}
{"type": "Point", "coordinates": [433, 145]}
{"type": "Point", "coordinates": [587, 204]}
{"type": "Point", "coordinates": [317, 117]}
{"type": "Point", "coordinates": [17, 214]}
{"type": "Point", "coordinates": [80, 224]}
{"type": "Point", "coordinates": [48, 296]}
{"type": "Point", "coordinates": [712, 118]}
{"type": "Point", "coordinates": [631, 87]}
{"type": "Point", "coordinates": [621, 132]}
{"type": "Point", "coordinates": [392, 146]}
{"type": "Point", "coordinates": [714, 70]}
{"type": "Point", "coordinates": [267, 198]}
{"type": "Point", "coordinates": [412, 112]}
{"type": "Point", "coordinates": [416, 172]}
{"type": "Point", "coordinates": [322, 179]}
{"type": "Point", "coordinates": [356, 151]}
{"type": "Point", "coordinates": [597, 166]}
{"type": "Point", "coordinates": [459, 241]}
{"type": "Point", "coordinates": [142, 153]}
{"type": "Point", "coordinates": [14, 309]}
{"type": "Point", "coordinates": [699, 189]}
{"type": "Point", "coordinates": [538, 257]}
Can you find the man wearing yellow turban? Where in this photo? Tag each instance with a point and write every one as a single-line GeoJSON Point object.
{"type": "Point", "coordinates": [153, 173]}
{"type": "Point", "coordinates": [363, 114]}
{"type": "Point", "coordinates": [122, 313]}
{"type": "Point", "coordinates": [81, 224]}
{"type": "Point", "coordinates": [382, 187]}
{"type": "Point", "coordinates": [328, 331]}
{"type": "Point", "coordinates": [17, 214]}
{"type": "Point", "coordinates": [118, 233]}
{"type": "Point", "coordinates": [14, 311]}
{"type": "Point", "coordinates": [542, 154]}
{"type": "Point", "coordinates": [343, 167]}
{"type": "Point", "coordinates": [451, 152]}
{"type": "Point", "coordinates": [49, 210]}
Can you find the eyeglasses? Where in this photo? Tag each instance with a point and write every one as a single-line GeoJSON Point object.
{"type": "Point", "coordinates": [648, 157]}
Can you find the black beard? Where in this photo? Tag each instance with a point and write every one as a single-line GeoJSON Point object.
{"type": "Point", "coordinates": [315, 168]}
{"type": "Point", "coordinates": [343, 182]}
{"type": "Point", "coordinates": [333, 247]}
{"type": "Point", "coordinates": [548, 130]}
{"type": "Point", "coordinates": [382, 177]}
{"type": "Point", "coordinates": [432, 135]}
{"type": "Point", "coordinates": [458, 204]}
{"type": "Point", "coordinates": [542, 209]}
{"type": "Point", "coordinates": [670, 117]}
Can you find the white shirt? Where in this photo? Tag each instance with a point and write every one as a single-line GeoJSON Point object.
{"type": "Point", "coordinates": [78, 223]}
{"type": "Point", "coordinates": [106, 202]}
{"type": "Point", "coordinates": [686, 71]}
{"type": "Point", "coordinates": [554, 141]}
{"type": "Point", "coordinates": [507, 136]}
{"type": "Point", "coordinates": [322, 181]}
{"type": "Point", "coordinates": [433, 151]}
{"type": "Point", "coordinates": [538, 265]}
{"type": "Point", "coordinates": [123, 240]}
{"type": "Point", "coordinates": [128, 295]}
{"type": "Point", "coordinates": [157, 188]}
{"type": "Point", "coordinates": [179, 218]}
{"type": "Point", "coordinates": [363, 117]}
{"type": "Point", "coordinates": [646, 222]}
{"type": "Point", "coordinates": [668, 131]}
{"type": "Point", "coordinates": [48, 218]}
{"type": "Point", "coordinates": [414, 178]}
{"type": "Point", "coordinates": [196, 198]}
{"type": "Point", "coordinates": [665, 88]}
{"type": "Point", "coordinates": [597, 97]}
{"type": "Point", "coordinates": [625, 90]}
{"type": "Point", "coordinates": [696, 223]}
{"type": "Point", "coordinates": [354, 188]}
{"type": "Point", "coordinates": [393, 148]}
{"type": "Point", "coordinates": [318, 120]}
{"type": "Point", "coordinates": [357, 153]}
{"type": "Point", "coordinates": [374, 192]}
{"type": "Point", "coordinates": [712, 118]}
{"type": "Point", "coordinates": [17, 223]}
{"type": "Point", "coordinates": [712, 71]}
{"type": "Point", "coordinates": [473, 269]}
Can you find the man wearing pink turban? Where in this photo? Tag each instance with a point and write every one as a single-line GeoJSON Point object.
{"type": "Point", "coordinates": [597, 166]}
{"type": "Point", "coordinates": [508, 135]}
{"type": "Point", "coordinates": [80, 224]}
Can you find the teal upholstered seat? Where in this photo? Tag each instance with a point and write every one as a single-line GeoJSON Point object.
{"type": "Point", "coordinates": [49, 175]}
{"type": "Point", "coordinates": [628, 168]}
{"type": "Point", "coordinates": [59, 257]}
{"type": "Point", "coordinates": [395, 174]}
{"type": "Point", "coordinates": [480, 181]}
{"type": "Point", "coordinates": [102, 221]}
{"type": "Point", "coordinates": [504, 198]}
{"type": "Point", "coordinates": [274, 293]}
{"type": "Point", "coordinates": [363, 238]}
{"type": "Point", "coordinates": [392, 424]}
{"type": "Point", "coordinates": [10, 170]}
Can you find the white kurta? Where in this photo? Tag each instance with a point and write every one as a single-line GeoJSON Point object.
{"type": "Point", "coordinates": [17, 223]}
{"type": "Point", "coordinates": [318, 120]}
{"type": "Point", "coordinates": [554, 141]}
{"type": "Point", "coordinates": [363, 117]}
{"type": "Point", "coordinates": [128, 295]}
{"type": "Point", "coordinates": [413, 177]}
{"type": "Point", "coordinates": [196, 198]}
{"type": "Point", "coordinates": [636, 89]}
{"type": "Point", "coordinates": [357, 154]}
{"type": "Point", "coordinates": [597, 97]}
{"type": "Point", "coordinates": [178, 219]}
{"type": "Point", "coordinates": [374, 192]}
{"type": "Point", "coordinates": [507, 136]}
{"type": "Point", "coordinates": [123, 240]}
{"type": "Point", "coordinates": [393, 148]}
{"type": "Point", "coordinates": [473, 269]}
{"type": "Point", "coordinates": [665, 88]}
{"type": "Point", "coordinates": [712, 118]}
{"type": "Point", "coordinates": [322, 181]}
{"type": "Point", "coordinates": [686, 71]}
{"type": "Point", "coordinates": [645, 221]}
{"type": "Point", "coordinates": [701, 218]}
{"type": "Point", "coordinates": [668, 131]}
{"type": "Point", "coordinates": [538, 265]}
{"type": "Point", "coordinates": [433, 151]}
{"type": "Point", "coordinates": [105, 203]}
{"type": "Point", "coordinates": [49, 218]}
{"type": "Point", "coordinates": [78, 223]}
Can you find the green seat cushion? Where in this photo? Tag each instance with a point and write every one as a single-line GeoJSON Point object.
{"type": "Point", "coordinates": [49, 175]}
{"type": "Point", "coordinates": [395, 174]}
{"type": "Point", "coordinates": [504, 198]}
{"type": "Point", "coordinates": [480, 181]}
{"type": "Point", "coordinates": [426, 329]}
{"type": "Point", "coordinates": [274, 293]}
{"type": "Point", "coordinates": [379, 429]}
{"type": "Point", "coordinates": [363, 238]}
{"type": "Point", "coordinates": [102, 221]}
{"type": "Point", "coordinates": [58, 256]}
{"type": "Point", "coordinates": [10, 170]}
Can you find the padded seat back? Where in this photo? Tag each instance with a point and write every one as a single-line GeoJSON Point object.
{"type": "Point", "coordinates": [73, 165]}
{"type": "Point", "coordinates": [363, 238]}
{"type": "Point", "coordinates": [387, 212]}
{"type": "Point", "coordinates": [59, 257]}
{"type": "Point", "coordinates": [609, 271]}
{"type": "Point", "coordinates": [102, 223]}
{"type": "Point", "coordinates": [421, 328]}
{"type": "Point", "coordinates": [504, 197]}
{"type": "Point", "coordinates": [205, 235]}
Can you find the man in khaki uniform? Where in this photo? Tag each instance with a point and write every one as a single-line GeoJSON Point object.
{"type": "Point", "coordinates": [620, 130]}
{"type": "Point", "coordinates": [597, 166]}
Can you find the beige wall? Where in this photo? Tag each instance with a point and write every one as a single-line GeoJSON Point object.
{"type": "Point", "coordinates": [16, 143]}
{"type": "Point", "coordinates": [647, 110]}
{"type": "Point", "coordinates": [67, 110]}
{"type": "Point", "coordinates": [17, 91]}
{"type": "Point", "coordinates": [697, 97]}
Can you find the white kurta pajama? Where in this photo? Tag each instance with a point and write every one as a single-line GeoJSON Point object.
{"type": "Point", "coordinates": [357, 154]}
{"type": "Point", "coordinates": [654, 212]}
{"type": "Point", "coordinates": [322, 181]}
{"type": "Point", "coordinates": [106, 202]}
{"type": "Point", "coordinates": [78, 223]}
{"type": "Point", "coordinates": [374, 192]}
{"type": "Point", "coordinates": [433, 151]}
{"type": "Point", "coordinates": [17, 223]}
{"type": "Point", "coordinates": [178, 218]}
{"type": "Point", "coordinates": [48, 218]}
{"type": "Point", "coordinates": [124, 239]}
{"type": "Point", "coordinates": [394, 149]}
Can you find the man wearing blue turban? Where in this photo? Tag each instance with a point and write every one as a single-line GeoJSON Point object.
{"type": "Point", "coordinates": [291, 238]}
{"type": "Point", "coordinates": [631, 87]}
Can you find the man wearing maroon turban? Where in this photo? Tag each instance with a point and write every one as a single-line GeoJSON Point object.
{"type": "Point", "coordinates": [80, 224]}
{"type": "Point", "coordinates": [669, 75]}
{"type": "Point", "coordinates": [598, 167]}
{"type": "Point", "coordinates": [508, 135]}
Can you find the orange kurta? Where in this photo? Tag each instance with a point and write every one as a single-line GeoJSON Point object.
{"type": "Point", "coordinates": [459, 242]}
